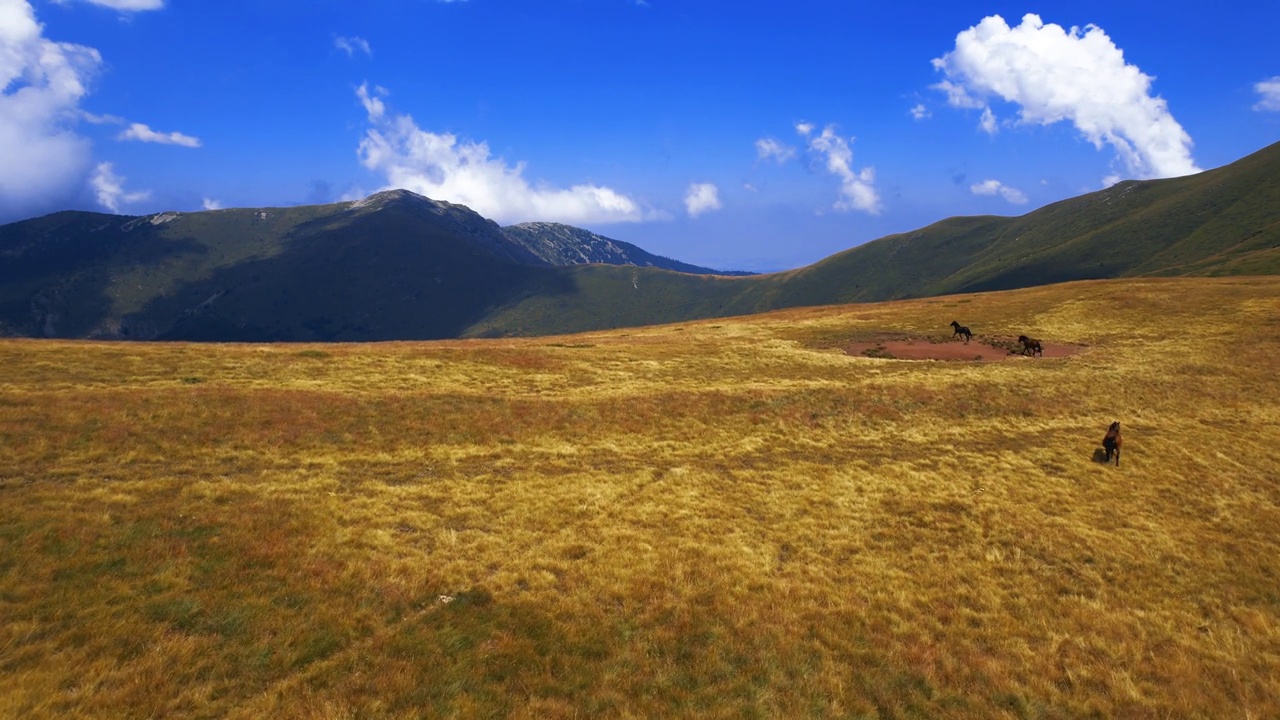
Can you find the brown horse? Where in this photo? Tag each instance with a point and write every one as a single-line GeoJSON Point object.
{"type": "Point", "coordinates": [961, 330]}
{"type": "Point", "coordinates": [1031, 346]}
{"type": "Point", "coordinates": [1112, 442]}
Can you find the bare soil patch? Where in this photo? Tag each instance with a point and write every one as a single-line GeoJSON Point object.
{"type": "Point", "coordinates": [991, 349]}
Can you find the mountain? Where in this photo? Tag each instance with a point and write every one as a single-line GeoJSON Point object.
{"type": "Point", "coordinates": [401, 266]}
{"type": "Point", "coordinates": [1224, 221]}
{"type": "Point", "coordinates": [392, 265]}
{"type": "Point", "coordinates": [559, 244]}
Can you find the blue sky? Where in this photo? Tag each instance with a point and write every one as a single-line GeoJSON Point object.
{"type": "Point", "coordinates": [756, 136]}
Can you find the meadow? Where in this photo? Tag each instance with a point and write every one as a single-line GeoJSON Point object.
{"type": "Point", "coordinates": [724, 518]}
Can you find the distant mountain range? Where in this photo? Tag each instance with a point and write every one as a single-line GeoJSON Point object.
{"type": "Point", "coordinates": [397, 265]}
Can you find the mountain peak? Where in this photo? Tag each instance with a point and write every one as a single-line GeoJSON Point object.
{"type": "Point", "coordinates": [384, 197]}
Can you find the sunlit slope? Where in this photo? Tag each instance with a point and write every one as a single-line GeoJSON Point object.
{"type": "Point", "coordinates": [721, 519]}
{"type": "Point", "coordinates": [1223, 221]}
{"type": "Point", "coordinates": [1220, 222]}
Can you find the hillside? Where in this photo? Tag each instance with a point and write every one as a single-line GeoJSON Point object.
{"type": "Point", "coordinates": [401, 266]}
{"type": "Point", "coordinates": [1219, 222]}
{"type": "Point", "coordinates": [728, 518]}
{"type": "Point", "coordinates": [393, 265]}
{"type": "Point", "coordinates": [560, 244]}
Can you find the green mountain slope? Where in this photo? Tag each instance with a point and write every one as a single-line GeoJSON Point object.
{"type": "Point", "coordinates": [400, 266]}
{"type": "Point", "coordinates": [391, 266]}
{"type": "Point", "coordinates": [1219, 222]}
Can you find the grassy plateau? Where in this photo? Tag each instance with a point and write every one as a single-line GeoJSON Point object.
{"type": "Point", "coordinates": [726, 518]}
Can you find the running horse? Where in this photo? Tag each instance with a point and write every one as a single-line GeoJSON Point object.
{"type": "Point", "coordinates": [961, 330]}
{"type": "Point", "coordinates": [1112, 442]}
{"type": "Point", "coordinates": [1031, 346]}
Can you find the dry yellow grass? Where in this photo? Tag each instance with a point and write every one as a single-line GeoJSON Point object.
{"type": "Point", "coordinates": [730, 518]}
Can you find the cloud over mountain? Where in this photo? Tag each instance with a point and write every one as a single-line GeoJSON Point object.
{"type": "Point", "coordinates": [857, 188]}
{"type": "Point", "coordinates": [443, 167]}
{"type": "Point", "coordinates": [995, 187]}
{"type": "Point", "coordinates": [1052, 74]}
{"type": "Point", "coordinates": [109, 188]}
{"type": "Point", "coordinates": [41, 85]}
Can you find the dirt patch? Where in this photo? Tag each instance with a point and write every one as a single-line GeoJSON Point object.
{"type": "Point", "coordinates": [922, 348]}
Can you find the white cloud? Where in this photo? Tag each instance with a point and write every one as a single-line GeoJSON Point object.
{"type": "Point", "coordinates": [93, 119]}
{"type": "Point", "coordinates": [211, 204]}
{"type": "Point", "coordinates": [374, 107]}
{"type": "Point", "coordinates": [42, 160]}
{"type": "Point", "coordinates": [857, 189]}
{"type": "Point", "coordinates": [1269, 92]}
{"type": "Point", "coordinates": [920, 112]}
{"type": "Point", "coordinates": [995, 187]}
{"type": "Point", "coordinates": [1052, 74]}
{"type": "Point", "coordinates": [352, 45]}
{"type": "Point", "coordinates": [700, 198]}
{"type": "Point", "coordinates": [142, 133]}
{"type": "Point", "coordinates": [442, 167]}
{"type": "Point", "coordinates": [804, 128]}
{"type": "Point", "coordinates": [110, 188]}
{"type": "Point", "coordinates": [957, 96]}
{"type": "Point", "coordinates": [769, 148]}
{"type": "Point", "coordinates": [124, 5]}
{"type": "Point", "coordinates": [987, 123]}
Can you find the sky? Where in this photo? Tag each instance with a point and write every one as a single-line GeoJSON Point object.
{"type": "Point", "coordinates": [753, 136]}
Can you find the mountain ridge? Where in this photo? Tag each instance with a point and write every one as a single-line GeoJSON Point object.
{"type": "Point", "coordinates": [561, 244]}
{"type": "Point", "coordinates": [397, 265]}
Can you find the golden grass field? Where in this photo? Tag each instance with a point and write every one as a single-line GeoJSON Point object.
{"type": "Point", "coordinates": [729, 518]}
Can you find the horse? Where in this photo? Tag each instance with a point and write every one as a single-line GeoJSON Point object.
{"type": "Point", "coordinates": [1113, 441]}
{"type": "Point", "coordinates": [1031, 346]}
{"type": "Point", "coordinates": [961, 330]}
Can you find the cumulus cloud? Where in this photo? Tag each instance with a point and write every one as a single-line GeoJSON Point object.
{"type": "Point", "coordinates": [352, 45]}
{"type": "Point", "coordinates": [142, 133]}
{"type": "Point", "coordinates": [920, 112]}
{"type": "Point", "coordinates": [1052, 74]}
{"type": "Point", "coordinates": [1269, 94]}
{"type": "Point", "coordinates": [211, 204]}
{"type": "Point", "coordinates": [110, 188]}
{"type": "Point", "coordinates": [857, 188]}
{"type": "Point", "coordinates": [700, 198]}
{"type": "Point", "coordinates": [442, 167]}
{"type": "Point", "coordinates": [769, 148]}
{"type": "Point", "coordinates": [995, 187]}
{"type": "Point", "coordinates": [41, 85]}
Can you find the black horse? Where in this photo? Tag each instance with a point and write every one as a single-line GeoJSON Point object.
{"type": "Point", "coordinates": [1112, 442]}
{"type": "Point", "coordinates": [1031, 346]}
{"type": "Point", "coordinates": [961, 330]}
